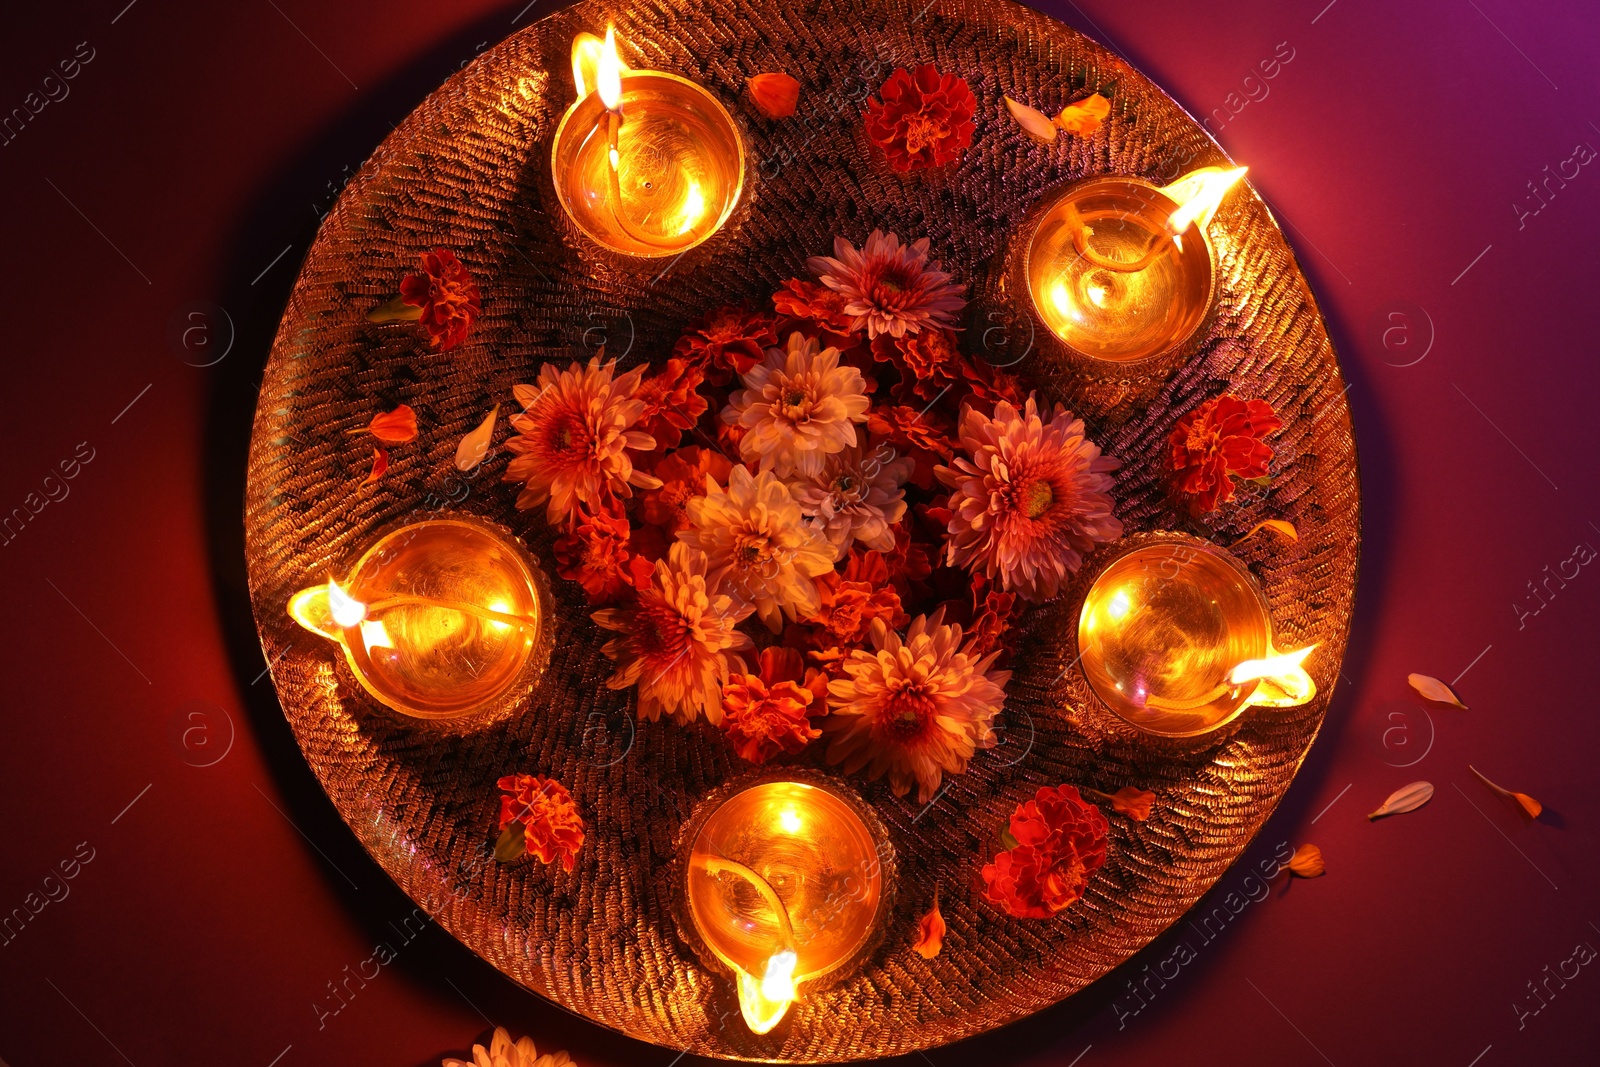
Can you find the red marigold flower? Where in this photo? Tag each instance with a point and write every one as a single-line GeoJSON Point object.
{"type": "Point", "coordinates": [447, 296]}
{"type": "Point", "coordinates": [551, 825]}
{"type": "Point", "coordinates": [683, 477]}
{"type": "Point", "coordinates": [816, 310]}
{"type": "Point", "coordinates": [923, 120]}
{"type": "Point", "coordinates": [923, 435]}
{"type": "Point", "coordinates": [594, 553]}
{"type": "Point", "coordinates": [1061, 842]}
{"type": "Point", "coordinates": [671, 404]}
{"type": "Point", "coordinates": [929, 362]}
{"type": "Point", "coordinates": [727, 341]}
{"type": "Point", "coordinates": [850, 601]}
{"type": "Point", "coordinates": [770, 713]}
{"type": "Point", "coordinates": [909, 563]}
{"type": "Point", "coordinates": [990, 385]}
{"type": "Point", "coordinates": [1217, 441]}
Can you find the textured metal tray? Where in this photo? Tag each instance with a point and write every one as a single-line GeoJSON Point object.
{"type": "Point", "coordinates": [469, 170]}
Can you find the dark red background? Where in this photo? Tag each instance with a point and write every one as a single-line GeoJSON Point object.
{"type": "Point", "coordinates": [204, 139]}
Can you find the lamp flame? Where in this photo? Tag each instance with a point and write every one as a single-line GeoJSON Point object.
{"type": "Point", "coordinates": [1199, 194]}
{"type": "Point", "coordinates": [766, 1000]}
{"type": "Point", "coordinates": [609, 77]}
{"type": "Point", "coordinates": [1284, 682]}
{"type": "Point", "coordinates": [587, 52]}
{"type": "Point", "coordinates": [346, 610]}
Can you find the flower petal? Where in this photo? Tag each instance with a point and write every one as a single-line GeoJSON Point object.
{"type": "Point", "coordinates": [1435, 690]}
{"type": "Point", "coordinates": [1307, 862]}
{"type": "Point", "coordinates": [930, 930]}
{"type": "Point", "coordinates": [776, 95]}
{"type": "Point", "coordinates": [1406, 798]}
{"type": "Point", "coordinates": [1281, 527]}
{"type": "Point", "coordinates": [1035, 124]}
{"type": "Point", "coordinates": [475, 445]}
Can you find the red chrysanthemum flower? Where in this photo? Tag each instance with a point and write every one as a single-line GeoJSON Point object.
{"type": "Point", "coordinates": [770, 713]}
{"type": "Point", "coordinates": [671, 403]}
{"type": "Point", "coordinates": [1061, 842]}
{"type": "Point", "coordinates": [924, 118]}
{"type": "Point", "coordinates": [447, 296]}
{"type": "Point", "coordinates": [549, 816]}
{"type": "Point", "coordinates": [928, 361]}
{"type": "Point", "coordinates": [727, 342]}
{"type": "Point", "coordinates": [595, 554]}
{"type": "Point", "coordinates": [683, 477]}
{"type": "Point", "coordinates": [1217, 441]}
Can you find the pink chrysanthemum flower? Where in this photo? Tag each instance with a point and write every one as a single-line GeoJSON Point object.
{"type": "Point", "coordinates": [573, 438]}
{"type": "Point", "coordinates": [757, 540]}
{"type": "Point", "coordinates": [889, 287]}
{"type": "Point", "coordinates": [857, 496]}
{"type": "Point", "coordinates": [675, 636]}
{"type": "Point", "coordinates": [916, 708]}
{"type": "Point", "coordinates": [797, 408]}
{"type": "Point", "coordinates": [1033, 497]}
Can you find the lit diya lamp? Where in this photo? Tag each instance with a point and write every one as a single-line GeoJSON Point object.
{"type": "Point", "coordinates": [784, 884]}
{"type": "Point", "coordinates": [1176, 639]}
{"type": "Point", "coordinates": [437, 619]}
{"type": "Point", "coordinates": [1113, 270]}
{"type": "Point", "coordinates": [645, 163]}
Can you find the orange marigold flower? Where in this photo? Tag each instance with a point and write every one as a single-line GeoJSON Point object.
{"type": "Point", "coordinates": [930, 930]}
{"type": "Point", "coordinates": [924, 118]}
{"type": "Point", "coordinates": [447, 296]}
{"type": "Point", "coordinates": [671, 404]}
{"type": "Point", "coordinates": [770, 713]}
{"type": "Point", "coordinates": [395, 427]}
{"type": "Point", "coordinates": [1061, 842]}
{"type": "Point", "coordinates": [992, 619]}
{"type": "Point", "coordinates": [595, 554]}
{"type": "Point", "coordinates": [683, 477]}
{"type": "Point", "coordinates": [549, 816]}
{"type": "Point", "coordinates": [727, 342]}
{"type": "Point", "coordinates": [928, 361]}
{"type": "Point", "coordinates": [1216, 442]}
{"type": "Point", "coordinates": [850, 601]}
{"type": "Point", "coordinates": [776, 95]}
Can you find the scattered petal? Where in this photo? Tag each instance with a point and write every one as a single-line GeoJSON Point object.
{"type": "Point", "coordinates": [396, 310]}
{"type": "Point", "coordinates": [1130, 800]}
{"type": "Point", "coordinates": [1035, 123]}
{"type": "Point", "coordinates": [1523, 800]}
{"type": "Point", "coordinates": [1406, 798]}
{"type": "Point", "coordinates": [775, 95]}
{"type": "Point", "coordinates": [475, 445]}
{"type": "Point", "coordinates": [1435, 690]}
{"type": "Point", "coordinates": [930, 930]}
{"type": "Point", "coordinates": [1278, 526]}
{"type": "Point", "coordinates": [380, 463]}
{"type": "Point", "coordinates": [395, 427]}
{"type": "Point", "coordinates": [1085, 116]}
{"type": "Point", "coordinates": [1307, 862]}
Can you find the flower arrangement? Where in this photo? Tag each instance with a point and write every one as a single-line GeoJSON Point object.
{"type": "Point", "coordinates": [817, 523]}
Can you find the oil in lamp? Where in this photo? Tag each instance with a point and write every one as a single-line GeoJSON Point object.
{"type": "Point", "coordinates": [1176, 639]}
{"type": "Point", "coordinates": [645, 163]}
{"type": "Point", "coordinates": [437, 619]}
{"type": "Point", "coordinates": [1113, 271]}
{"type": "Point", "coordinates": [784, 886]}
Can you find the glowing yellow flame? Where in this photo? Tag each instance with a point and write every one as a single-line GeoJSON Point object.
{"type": "Point", "coordinates": [587, 51]}
{"type": "Point", "coordinates": [1284, 682]}
{"type": "Point", "coordinates": [789, 821]}
{"type": "Point", "coordinates": [765, 1001]}
{"type": "Point", "coordinates": [609, 77]}
{"type": "Point", "coordinates": [346, 610]}
{"type": "Point", "coordinates": [374, 635]}
{"type": "Point", "coordinates": [694, 207]}
{"type": "Point", "coordinates": [1199, 194]}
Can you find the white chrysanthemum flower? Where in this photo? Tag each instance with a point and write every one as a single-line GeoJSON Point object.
{"type": "Point", "coordinates": [797, 408]}
{"type": "Point", "coordinates": [757, 540]}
